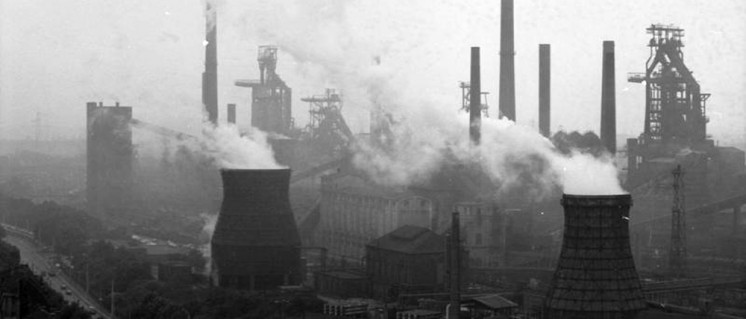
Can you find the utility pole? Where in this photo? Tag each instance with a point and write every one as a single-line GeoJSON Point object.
{"type": "Point", "coordinates": [112, 298]}
{"type": "Point", "coordinates": [677, 253]}
{"type": "Point", "coordinates": [87, 285]}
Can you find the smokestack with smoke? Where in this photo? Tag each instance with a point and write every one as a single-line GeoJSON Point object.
{"type": "Point", "coordinates": [608, 99]}
{"type": "Point", "coordinates": [507, 64]}
{"type": "Point", "coordinates": [210, 76]}
{"type": "Point", "coordinates": [544, 90]}
{"type": "Point", "coordinates": [427, 133]}
{"type": "Point", "coordinates": [475, 98]}
{"type": "Point", "coordinates": [231, 114]}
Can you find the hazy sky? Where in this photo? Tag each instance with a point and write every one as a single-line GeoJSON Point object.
{"type": "Point", "coordinates": [57, 55]}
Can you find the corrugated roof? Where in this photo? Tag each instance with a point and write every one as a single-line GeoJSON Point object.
{"type": "Point", "coordinates": [495, 302]}
{"type": "Point", "coordinates": [410, 239]}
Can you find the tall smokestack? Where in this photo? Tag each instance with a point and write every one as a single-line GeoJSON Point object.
{"type": "Point", "coordinates": [454, 243]}
{"type": "Point", "coordinates": [608, 99]}
{"type": "Point", "coordinates": [595, 275]}
{"type": "Point", "coordinates": [232, 113]}
{"type": "Point", "coordinates": [507, 66]}
{"type": "Point", "coordinates": [544, 90]}
{"type": "Point", "coordinates": [475, 99]}
{"type": "Point", "coordinates": [210, 76]}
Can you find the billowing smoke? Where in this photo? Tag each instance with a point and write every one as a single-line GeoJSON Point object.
{"type": "Point", "coordinates": [507, 153]}
{"type": "Point", "coordinates": [207, 230]}
{"type": "Point", "coordinates": [230, 149]}
{"type": "Point", "coordinates": [329, 48]}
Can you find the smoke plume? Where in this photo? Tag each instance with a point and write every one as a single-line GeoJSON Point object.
{"type": "Point", "coordinates": [229, 149]}
{"type": "Point", "coordinates": [431, 132]}
{"type": "Point", "coordinates": [207, 230]}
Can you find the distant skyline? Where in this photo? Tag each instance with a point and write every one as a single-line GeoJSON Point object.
{"type": "Point", "coordinates": [55, 56]}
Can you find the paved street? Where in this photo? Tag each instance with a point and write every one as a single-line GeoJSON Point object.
{"type": "Point", "coordinates": [40, 263]}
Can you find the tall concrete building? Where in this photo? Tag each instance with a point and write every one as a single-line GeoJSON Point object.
{"type": "Point", "coordinates": [110, 156]}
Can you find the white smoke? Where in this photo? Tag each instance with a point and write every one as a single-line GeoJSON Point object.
{"type": "Point", "coordinates": [228, 148]}
{"type": "Point", "coordinates": [207, 230]}
{"type": "Point", "coordinates": [330, 48]}
{"type": "Point", "coordinates": [507, 154]}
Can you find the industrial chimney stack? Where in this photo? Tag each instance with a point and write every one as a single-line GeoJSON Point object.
{"type": "Point", "coordinates": [544, 90]}
{"type": "Point", "coordinates": [608, 99]}
{"type": "Point", "coordinates": [231, 113]}
{"type": "Point", "coordinates": [210, 76]}
{"type": "Point", "coordinates": [475, 99]}
{"type": "Point", "coordinates": [507, 65]}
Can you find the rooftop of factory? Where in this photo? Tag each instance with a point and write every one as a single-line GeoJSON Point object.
{"type": "Point", "coordinates": [410, 239]}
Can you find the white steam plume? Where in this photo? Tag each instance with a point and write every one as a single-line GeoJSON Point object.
{"type": "Point", "coordinates": [332, 49]}
{"type": "Point", "coordinates": [229, 149]}
{"type": "Point", "coordinates": [509, 154]}
{"type": "Point", "coordinates": [207, 230]}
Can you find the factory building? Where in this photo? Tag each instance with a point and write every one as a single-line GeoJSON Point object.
{"type": "Point", "coordinates": [409, 259]}
{"type": "Point", "coordinates": [110, 157]}
{"type": "Point", "coordinates": [354, 212]}
{"type": "Point", "coordinates": [495, 236]}
{"type": "Point", "coordinates": [483, 229]}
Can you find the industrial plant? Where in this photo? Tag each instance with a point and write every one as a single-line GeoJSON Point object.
{"type": "Point", "coordinates": [477, 216]}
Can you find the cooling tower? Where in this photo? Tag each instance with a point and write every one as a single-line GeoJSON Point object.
{"type": "Point", "coordinates": [595, 275]}
{"type": "Point", "coordinates": [256, 244]}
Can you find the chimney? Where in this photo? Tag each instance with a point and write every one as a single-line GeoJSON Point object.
{"type": "Point", "coordinates": [595, 275]}
{"type": "Point", "coordinates": [608, 99]}
{"type": "Point", "coordinates": [454, 266]}
{"type": "Point", "coordinates": [256, 245]}
{"type": "Point", "coordinates": [210, 76]}
{"type": "Point", "coordinates": [232, 113]}
{"type": "Point", "coordinates": [545, 114]}
{"type": "Point", "coordinates": [507, 66]}
{"type": "Point", "coordinates": [475, 99]}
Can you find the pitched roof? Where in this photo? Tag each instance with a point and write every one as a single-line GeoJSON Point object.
{"type": "Point", "coordinates": [410, 239]}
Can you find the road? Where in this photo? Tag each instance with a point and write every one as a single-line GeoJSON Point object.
{"type": "Point", "coordinates": [40, 263]}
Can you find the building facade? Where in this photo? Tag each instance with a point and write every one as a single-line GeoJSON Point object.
{"type": "Point", "coordinates": [409, 259]}
{"type": "Point", "coordinates": [354, 212]}
{"type": "Point", "coordinates": [110, 156]}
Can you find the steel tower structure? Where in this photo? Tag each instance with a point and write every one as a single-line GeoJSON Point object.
{"type": "Point", "coordinates": [675, 109]}
{"type": "Point", "coordinates": [270, 96]}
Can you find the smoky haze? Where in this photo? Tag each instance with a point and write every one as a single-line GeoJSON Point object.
{"type": "Point", "coordinates": [150, 55]}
